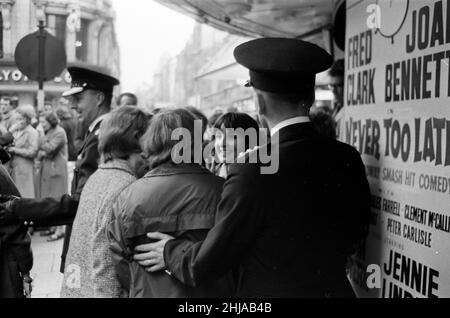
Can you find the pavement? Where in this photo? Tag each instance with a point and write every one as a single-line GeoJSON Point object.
{"type": "Point", "coordinates": [45, 272]}
{"type": "Point", "coordinates": [47, 260]}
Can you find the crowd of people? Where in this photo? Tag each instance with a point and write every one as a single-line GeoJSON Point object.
{"type": "Point", "coordinates": [139, 223]}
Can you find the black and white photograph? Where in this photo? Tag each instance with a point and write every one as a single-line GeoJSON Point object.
{"type": "Point", "coordinates": [223, 154]}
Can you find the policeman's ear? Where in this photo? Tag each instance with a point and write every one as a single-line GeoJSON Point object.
{"type": "Point", "coordinates": [100, 98]}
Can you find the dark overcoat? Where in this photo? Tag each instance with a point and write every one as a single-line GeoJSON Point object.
{"type": "Point", "coordinates": [62, 211]}
{"type": "Point", "coordinates": [290, 232]}
{"type": "Point", "coordinates": [178, 200]}
{"type": "Point", "coordinates": [16, 257]}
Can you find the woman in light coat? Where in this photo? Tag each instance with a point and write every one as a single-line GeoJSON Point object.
{"type": "Point", "coordinates": [53, 157]}
{"type": "Point", "coordinates": [24, 150]}
{"type": "Point", "coordinates": [89, 271]}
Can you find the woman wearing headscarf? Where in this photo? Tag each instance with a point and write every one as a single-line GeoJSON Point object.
{"type": "Point", "coordinates": [53, 157]}
{"type": "Point", "coordinates": [24, 150]}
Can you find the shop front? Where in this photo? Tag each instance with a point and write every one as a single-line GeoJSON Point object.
{"type": "Point", "coordinates": [19, 88]}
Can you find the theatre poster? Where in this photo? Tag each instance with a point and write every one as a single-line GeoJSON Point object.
{"type": "Point", "coordinates": [397, 115]}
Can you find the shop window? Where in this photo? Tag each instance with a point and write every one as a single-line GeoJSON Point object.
{"type": "Point", "coordinates": [57, 25]}
{"type": "Point", "coordinates": [60, 27]}
{"type": "Point", "coordinates": [83, 41]}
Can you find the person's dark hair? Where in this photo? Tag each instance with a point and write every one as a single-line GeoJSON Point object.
{"type": "Point", "coordinates": [337, 69]}
{"type": "Point", "coordinates": [51, 118]}
{"type": "Point", "coordinates": [199, 115]}
{"type": "Point", "coordinates": [108, 99]}
{"type": "Point", "coordinates": [238, 120]}
{"type": "Point", "coordinates": [121, 131]}
{"type": "Point", "coordinates": [323, 121]}
{"type": "Point", "coordinates": [129, 95]}
{"type": "Point", "coordinates": [157, 142]}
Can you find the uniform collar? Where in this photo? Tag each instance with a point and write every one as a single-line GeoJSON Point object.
{"type": "Point", "coordinates": [289, 122]}
{"type": "Point", "coordinates": [96, 122]}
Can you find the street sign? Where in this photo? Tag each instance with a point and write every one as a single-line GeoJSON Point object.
{"type": "Point", "coordinates": [51, 63]}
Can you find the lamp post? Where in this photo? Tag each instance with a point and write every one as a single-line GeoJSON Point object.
{"type": "Point", "coordinates": [40, 15]}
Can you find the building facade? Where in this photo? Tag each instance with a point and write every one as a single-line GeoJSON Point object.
{"type": "Point", "coordinates": [87, 27]}
{"type": "Point", "coordinates": [180, 79]}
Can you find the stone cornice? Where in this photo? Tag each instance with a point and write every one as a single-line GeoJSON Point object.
{"type": "Point", "coordinates": [89, 9]}
{"type": "Point", "coordinates": [10, 2]}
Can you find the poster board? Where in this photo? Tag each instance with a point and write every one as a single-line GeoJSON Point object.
{"type": "Point", "coordinates": [397, 115]}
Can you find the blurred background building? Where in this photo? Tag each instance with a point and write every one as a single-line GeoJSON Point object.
{"type": "Point", "coordinates": [87, 27]}
{"type": "Point", "coordinates": [205, 75]}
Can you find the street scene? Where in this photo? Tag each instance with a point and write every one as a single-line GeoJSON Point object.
{"type": "Point", "coordinates": [224, 149]}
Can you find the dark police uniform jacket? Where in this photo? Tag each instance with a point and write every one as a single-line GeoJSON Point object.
{"type": "Point", "coordinates": [289, 232]}
{"type": "Point", "coordinates": [53, 212]}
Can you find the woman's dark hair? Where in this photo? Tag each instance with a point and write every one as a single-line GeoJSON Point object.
{"type": "Point", "coordinates": [51, 118]}
{"type": "Point", "coordinates": [238, 120]}
{"type": "Point", "coordinates": [235, 121]}
{"type": "Point", "coordinates": [120, 133]}
{"type": "Point", "coordinates": [157, 141]}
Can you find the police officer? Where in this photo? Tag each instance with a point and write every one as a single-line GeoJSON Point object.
{"type": "Point", "coordinates": [91, 94]}
{"type": "Point", "coordinates": [290, 232]}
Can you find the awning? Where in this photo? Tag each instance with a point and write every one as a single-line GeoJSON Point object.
{"type": "Point", "coordinates": [223, 66]}
{"type": "Point", "coordinates": [303, 19]}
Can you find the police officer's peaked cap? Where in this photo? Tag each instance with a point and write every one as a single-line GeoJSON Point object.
{"type": "Point", "coordinates": [84, 79]}
{"type": "Point", "coordinates": [281, 65]}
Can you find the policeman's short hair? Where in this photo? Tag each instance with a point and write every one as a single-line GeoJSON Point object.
{"type": "Point", "coordinates": [120, 133]}
{"type": "Point", "coordinates": [305, 97]}
{"type": "Point", "coordinates": [157, 142]}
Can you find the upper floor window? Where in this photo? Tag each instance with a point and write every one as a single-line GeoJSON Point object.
{"type": "Point", "coordinates": [83, 41]}
{"type": "Point", "coordinates": [60, 27]}
{"type": "Point", "coordinates": [57, 25]}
